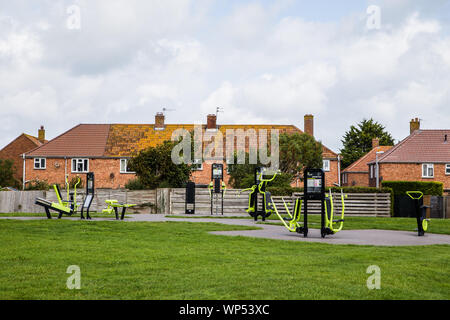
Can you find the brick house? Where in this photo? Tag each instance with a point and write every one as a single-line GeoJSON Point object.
{"type": "Point", "coordinates": [15, 149]}
{"type": "Point", "coordinates": [422, 156]}
{"type": "Point", "coordinates": [357, 174]}
{"type": "Point", "coordinates": [105, 149]}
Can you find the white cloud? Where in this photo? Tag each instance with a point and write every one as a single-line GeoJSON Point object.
{"type": "Point", "coordinates": [132, 58]}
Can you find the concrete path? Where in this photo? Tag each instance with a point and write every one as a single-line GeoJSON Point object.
{"type": "Point", "coordinates": [354, 237]}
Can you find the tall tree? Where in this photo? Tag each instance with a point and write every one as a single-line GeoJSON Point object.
{"type": "Point", "coordinates": [297, 151]}
{"type": "Point", "coordinates": [358, 140]}
{"type": "Point", "coordinates": [155, 168]}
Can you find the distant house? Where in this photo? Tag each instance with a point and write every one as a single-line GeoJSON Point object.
{"type": "Point", "coordinates": [422, 156]}
{"type": "Point", "coordinates": [357, 174]}
{"type": "Point", "coordinates": [106, 148]}
{"type": "Point", "coordinates": [14, 150]}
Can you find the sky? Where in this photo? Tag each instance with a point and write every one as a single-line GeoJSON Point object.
{"type": "Point", "coordinates": [263, 62]}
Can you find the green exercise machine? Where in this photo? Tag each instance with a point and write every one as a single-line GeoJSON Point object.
{"type": "Point", "coordinates": [114, 205]}
{"type": "Point", "coordinates": [421, 211]}
{"type": "Point", "coordinates": [259, 200]}
{"type": "Point", "coordinates": [314, 189]}
{"type": "Point", "coordinates": [68, 207]}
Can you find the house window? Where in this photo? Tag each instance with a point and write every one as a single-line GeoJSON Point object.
{"type": "Point", "coordinates": [124, 166]}
{"type": "Point", "coordinates": [40, 163]}
{"type": "Point", "coordinates": [427, 170]}
{"type": "Point", "coordinates": [197, 165]}
{"type": "Point", "coordinates": [371, 172]}
{"type": "Point", "coordinates": [326, 165]}
{"type": "Point", "coordinates": [80, 165]}
{"type": "Point", "coordinates": [447, 169]}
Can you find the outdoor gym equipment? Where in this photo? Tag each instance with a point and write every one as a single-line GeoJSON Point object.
{"type": "Point", "coordinates": [114, 205]}
{"type": "Point", "coordinates": [68, 207]}
{"type": "Point", "coordinates": [314, 189]}
{"type": "Point", "coordinates": [421, 211]}
{"type": "Point", "coordinates": [259, 194]}
{"type": "Point", "coordinates": [189, 205]}
{"type": "Point", "coordinates": [90, 190]}
{"type": "Point", "coordinates": [216, 186]}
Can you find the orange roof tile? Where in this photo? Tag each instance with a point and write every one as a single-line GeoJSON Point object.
{"type": "Point", "coordinates": [421, 146]}
{"type": "Point", "coordinates": [126, 140]}
{"type": "Point", "coordinates": [360, 165]}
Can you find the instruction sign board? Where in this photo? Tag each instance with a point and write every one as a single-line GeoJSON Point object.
{"type": "Point", "coordinates": [314, 184]}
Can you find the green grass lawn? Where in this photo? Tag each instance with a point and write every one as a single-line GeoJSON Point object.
{"type": "Point", "coordinates": [55, 215]}
{"type": "Point", "coordinates": [180, 260]}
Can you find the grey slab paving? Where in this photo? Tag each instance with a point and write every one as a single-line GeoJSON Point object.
{"type": "Point", "coordinates": [352, 237]}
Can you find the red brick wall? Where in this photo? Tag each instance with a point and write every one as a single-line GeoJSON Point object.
{"type": "Point", "coordinates": [412, 172]}
{"type": "Point", "coordinates": [14, 152]}
{"type": "Point", "coordinates": [107, 172]}
{"type": "Point", "coordinates": [356, 179]}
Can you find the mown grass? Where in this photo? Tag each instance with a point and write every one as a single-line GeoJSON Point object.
{"type": "Point", "coordinates": [439, 226]}
{"type": "Point", "coordinates": [55, 215]}
{"type": "Point", "coordinates": [180, 260]}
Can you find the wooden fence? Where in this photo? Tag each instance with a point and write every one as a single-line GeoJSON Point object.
{"type": "Point", "coordinates": [373, 204]}
{"type": "Point", "coordinates": [23, 201]}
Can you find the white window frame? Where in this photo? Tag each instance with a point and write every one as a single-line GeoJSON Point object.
{"type": "Point", "coordinates": [195, 163]}
{"type": "Point", "coordinates": [79, 160]}
{"type": "Point", "coordinates": [447, 169]}
{"type": "Point", "coordinates": [126, 166]}
{"type": "Point", "coordinates": [39, 162]}
{"type": "Point", "coordinates": [372, 171]}
{"type": "Point", "coordinates": [328, 167]}
{"type": "Point", "coordinates": [428, 166]}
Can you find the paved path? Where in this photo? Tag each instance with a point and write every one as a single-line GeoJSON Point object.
{"type": "Point", "coordinates": [354, 237]}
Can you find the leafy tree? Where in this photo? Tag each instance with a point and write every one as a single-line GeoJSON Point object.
{"type": "Point", "coordinates": [358, 140]}
{"type": "Point", "coordinates": [155, 168]}
{"type": "Point", "coordinates": [7, 174]}
{"type": "Point", "coordinates": [297, 152]}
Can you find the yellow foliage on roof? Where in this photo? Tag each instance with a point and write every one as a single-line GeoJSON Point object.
{"type": "Point", "coordinates": [126, 140]}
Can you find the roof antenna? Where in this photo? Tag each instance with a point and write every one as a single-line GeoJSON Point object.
{"type": "Point", "coordinates": [164, 110]}
{"type": "Point", "coordinates": [219, 109]}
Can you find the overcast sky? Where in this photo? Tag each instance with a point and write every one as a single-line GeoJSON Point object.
{"type": "Point", "coordinates": [262, 61]}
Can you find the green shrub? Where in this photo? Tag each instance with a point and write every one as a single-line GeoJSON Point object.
{"type": "Point", "coordinates": [135, 184]}
{"type": "Point", "coordinates": [74, 181]}
{"type": "Point", "coordinates": [428, 188]}
{"type": "Point", "coordinates": [37, 185]}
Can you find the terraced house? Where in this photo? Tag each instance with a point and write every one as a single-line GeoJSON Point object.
{"type": "Point", "coordinates": [105, 149]}
{"type": "Point", "coordinates": [422, 156]}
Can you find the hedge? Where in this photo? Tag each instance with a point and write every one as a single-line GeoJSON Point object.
{"type": "Point", "coordinates": [428, 188]}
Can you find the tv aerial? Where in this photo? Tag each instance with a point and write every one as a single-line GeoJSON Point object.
{"type": "Point", "coordinates": [219, 109]}
{"type": "Point", "coordinates": [164, 110]}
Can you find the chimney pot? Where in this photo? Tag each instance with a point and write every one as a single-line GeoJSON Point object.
{"type": "Point", "coordinates": [375, 143]}
{"type": "Point", "coordinates": [414, 125]}
{"type": "Point", "coordinates": [159, 121]}
{"type": "Point", "coordinates": [211, 123]}
{"type": "Point", "coordinates": [41, 134]}
{"type": "Point", "coordinates": [309, 124]}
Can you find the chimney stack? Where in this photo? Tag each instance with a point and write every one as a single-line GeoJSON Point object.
{"type": "Point", "coordinates": [211, 123]}
{"type": "Point", "coordinates": [159, 121]}
{"type": "Point", "coordinates": [41, 134]}
{"type": "Point", "coordinates": [414, 125]}
{"type": "Point", "coordinates": [375, 143]}
{"type": "Point", "coordinates": [309, 124]}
